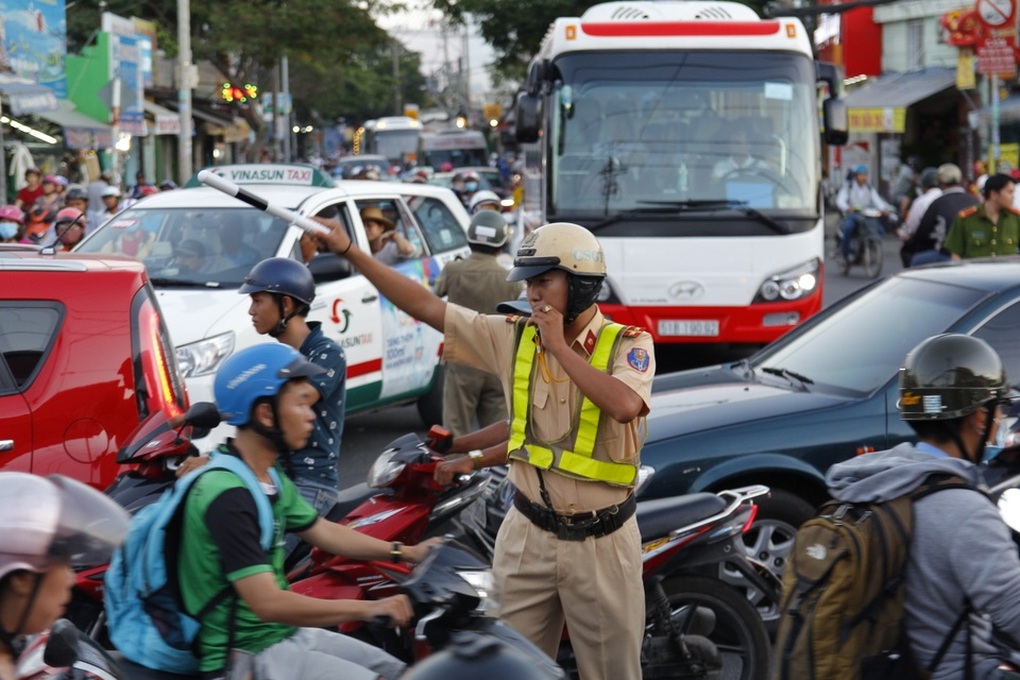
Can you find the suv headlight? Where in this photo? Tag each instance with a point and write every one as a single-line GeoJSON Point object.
{"type": "Point", "coordinates": [790, 285]}
{"type": "Point", "coordinates": [204, 357]}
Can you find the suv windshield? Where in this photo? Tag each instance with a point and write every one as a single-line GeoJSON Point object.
{"type": "Point", "coordinates": [213, 247]}
{"type": "Point", "coordinates": [861, 346]}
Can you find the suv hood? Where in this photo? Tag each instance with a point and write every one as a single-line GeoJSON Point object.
{"type": "Point", "coordinates": [726, 402]}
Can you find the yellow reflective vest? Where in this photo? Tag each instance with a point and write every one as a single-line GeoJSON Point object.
{"type": "Point", "coordinates": [578, 462]}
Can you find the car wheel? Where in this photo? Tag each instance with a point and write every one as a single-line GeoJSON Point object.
{"type": "Point", "coordinates": [430, 404]}
{"type": "Point", "coordinates": [769, 543]}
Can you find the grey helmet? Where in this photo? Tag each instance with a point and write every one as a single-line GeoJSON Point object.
{"type": "Point", "coordinates": [488, 228]}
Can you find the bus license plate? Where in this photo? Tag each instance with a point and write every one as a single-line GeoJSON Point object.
{"type": "Point", "coordinates": [690, 328]}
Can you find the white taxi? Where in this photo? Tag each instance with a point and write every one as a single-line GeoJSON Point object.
{"type": "Point", "coordinates": [198, 244]}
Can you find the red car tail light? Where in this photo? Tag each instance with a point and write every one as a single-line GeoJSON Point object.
{"type": "Point", "coordinates": [158, 383]}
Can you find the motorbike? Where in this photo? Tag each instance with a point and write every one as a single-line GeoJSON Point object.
{"type": "Point", "coordinates": [866, 244]}
{"type": "Point", "coordinates": [64, 653]}
{"type": "Point", "coordinates": [704, 596]}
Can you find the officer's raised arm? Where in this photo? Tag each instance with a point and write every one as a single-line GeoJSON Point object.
{"type": "Point", "coordinates": [408, 295]}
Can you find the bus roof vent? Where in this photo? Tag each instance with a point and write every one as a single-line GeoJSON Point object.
{"type": "Point", "coordinates": [692, 10]}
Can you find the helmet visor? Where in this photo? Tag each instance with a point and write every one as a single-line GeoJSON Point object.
{"type": "Point", "coordinates": [526, 267]}
{"type": "Point", "coordinates": [522, 307]}
{"type": "Point", "coordinates": [91, 525]}
{"type": "Point", "coordinates": [300, 368]}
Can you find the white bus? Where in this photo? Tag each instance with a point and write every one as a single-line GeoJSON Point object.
{"type": "Point", "coordinates": [458, 148]}
{"type": "Point", "coordinates": [395, 137]}
{"type": "Point", "coordinates": [685, 135]}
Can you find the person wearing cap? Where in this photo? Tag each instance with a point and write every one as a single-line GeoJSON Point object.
{"type": "Point", "coordinates": [111, 204]}
{"type": "Point", "coordinates": [30, 193]}
{"type": "Point", "coordinates": [479, 283]}
{"type": "Point", "coordinates": [48, 526]}
{"type": "Point", "coordinates": [924, 245]}
{"type": "Point", "coordinates": [990, 228]}
{"type": "Point", "coordinates": [569, 551]}
{"type": "Point", "coordinates": [852, 199]}
{"type": "Point", "coordinates": [388, 246]}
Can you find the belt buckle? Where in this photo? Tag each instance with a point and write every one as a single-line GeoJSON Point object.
{"type": "Point", "coordinates": [568, 532]}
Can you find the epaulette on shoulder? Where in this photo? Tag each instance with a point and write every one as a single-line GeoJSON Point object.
{"type": "Point", "coordinates": [633, 331]}
{"type": "Point", "coordinates": [1013, 210]}
{"type": "Point", "coordinates": [513, 318]}
{"type": "Point", "coordinates": [967, 212]}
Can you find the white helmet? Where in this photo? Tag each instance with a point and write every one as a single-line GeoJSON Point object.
{"type": "Point", "coordinates": [55, 518]}
{"type": "Point", "coordinates": [480, 197]}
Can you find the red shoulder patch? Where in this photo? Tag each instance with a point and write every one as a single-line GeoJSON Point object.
{"type": "Point", "coordinates": [633, 331]}
{"type": "Point", "coordinates": [967, 212]}
{"type": "Point", "coordinates": [513, 318]}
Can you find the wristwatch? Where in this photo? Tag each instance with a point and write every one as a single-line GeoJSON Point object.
{"type": "Point", "coordinates": [476, 457]}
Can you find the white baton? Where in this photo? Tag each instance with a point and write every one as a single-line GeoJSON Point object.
{"type": "Point", "coordinates": [210, 178]}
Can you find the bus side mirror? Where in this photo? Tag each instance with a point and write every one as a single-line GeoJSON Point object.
{"type": "Point", "coordinates": [528, 117]}
{"type": "Point", "coordinates": [535, 78]}
{"type": "Point", "coordinates": [836, 121]}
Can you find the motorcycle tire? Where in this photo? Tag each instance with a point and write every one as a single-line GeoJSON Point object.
{"type": "Point", "coordinates": [872, 258]}
{"type": "Point", "coordinates": [739, 633]}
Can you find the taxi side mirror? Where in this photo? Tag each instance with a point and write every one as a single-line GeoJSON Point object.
{"type": "Point", "coordinates": [329, 267]}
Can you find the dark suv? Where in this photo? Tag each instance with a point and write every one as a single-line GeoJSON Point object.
{"type": "Point", "coordinates": [84, 356]}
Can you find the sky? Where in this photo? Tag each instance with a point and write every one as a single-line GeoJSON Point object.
{"type": "Point", "coordinates": [420, 28]}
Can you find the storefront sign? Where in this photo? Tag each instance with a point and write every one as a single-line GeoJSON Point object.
{"type": "Point", "coordinates": [887, 119]}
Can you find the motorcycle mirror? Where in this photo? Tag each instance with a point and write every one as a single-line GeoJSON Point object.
{"type": "Point", "coordinates": [1009, 508]}
{"type": "Point", "coordinates": [62, 647]}
{"type": "Point", "coordinates": [203, 414]}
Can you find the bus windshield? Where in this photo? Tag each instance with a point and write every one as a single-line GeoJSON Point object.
{"type": "Point", "coordinates": [396, 145]}
{"type": "Point", "coordinates": [629, 129]}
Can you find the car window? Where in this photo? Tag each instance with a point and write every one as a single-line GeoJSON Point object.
{"type": "Point", "coordinates": [1001, 333]}
{"type": "Point", "coordinates": [213, 247]}
{"type": "Point", "coordinates": [860, 346]}
{"type": "Point", "coordinates": [393, 211]}
{"type": "Point", "coordinates": [442, 229]}
{"type": "Point", "coordinates": [27, 330]}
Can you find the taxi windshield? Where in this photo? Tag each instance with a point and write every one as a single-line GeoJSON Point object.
{"type": "Point", "coordinates": [214, 247]}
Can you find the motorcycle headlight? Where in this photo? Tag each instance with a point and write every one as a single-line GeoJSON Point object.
{"type": "Point", "coordinates": [790, 285]}
{"type": "Point", "coordinates": [384, 470]}
{"type": "Point", "coordinates": [204, 357]}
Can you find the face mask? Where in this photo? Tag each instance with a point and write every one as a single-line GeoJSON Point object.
{"type": "Point", "coordinates": [471, 186]}
{"type": "Point", "coordinates": [8, 230]}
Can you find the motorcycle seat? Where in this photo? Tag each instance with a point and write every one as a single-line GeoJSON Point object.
{"type": "Point", "coordinates": [137, 672]}
{"type": "Point", "coordinates": [658, 517]}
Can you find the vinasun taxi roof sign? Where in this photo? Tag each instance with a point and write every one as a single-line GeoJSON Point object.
{"type": "Point", "coordinates": [295, 174]}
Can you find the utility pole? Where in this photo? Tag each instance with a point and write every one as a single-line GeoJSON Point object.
{"type": "Point", "coordinates": [395, 49]}
{"type": "Point", "coordinates": [185, 163]}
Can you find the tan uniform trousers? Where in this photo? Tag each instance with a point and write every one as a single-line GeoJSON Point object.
{"type": "Point", "coordinates": [594, 585]}
{"type": "Point", "coordinates": [470, 392]}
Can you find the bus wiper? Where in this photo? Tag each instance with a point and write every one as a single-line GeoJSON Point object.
{"type": "Point", "coordinates": [789, 375]}
{"type": "Point", "coordinates": [664, 211]}
{"type": "Point", "coordinates": [722, 204]}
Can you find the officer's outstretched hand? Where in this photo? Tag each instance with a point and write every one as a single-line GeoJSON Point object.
{"type": "Point", "coordinates": [337, 240]}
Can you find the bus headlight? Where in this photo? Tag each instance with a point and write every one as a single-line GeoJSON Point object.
{"type": "Point", "coordinates": [790, 285]}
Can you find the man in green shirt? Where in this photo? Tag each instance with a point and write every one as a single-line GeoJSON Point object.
{"type": "Point", "coordinates": [990, 228]}
{"type": "Point", "coordinates": [265, 391]}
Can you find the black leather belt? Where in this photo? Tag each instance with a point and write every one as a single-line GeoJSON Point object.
{"type": "Point", "coordinates": [576, 527]}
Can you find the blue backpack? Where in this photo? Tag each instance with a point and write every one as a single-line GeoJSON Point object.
{"type": "Point", "coordinates": [145, 615]}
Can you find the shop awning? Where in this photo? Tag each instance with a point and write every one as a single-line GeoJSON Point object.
{"type": "Point", "coordinates": [26, 96]}
{"type": "Point", "coordinates": [80, 131]}
{"type": "Point", "coordinates": [881, 104]}
{"type": "Point", "coordinates": [165, 121]}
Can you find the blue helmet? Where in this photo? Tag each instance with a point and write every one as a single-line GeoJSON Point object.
{"type": "Point", "coordinates": [281, 275]}
{"type": "Point", "coordinates": [861, 169]}
{"type": "Point", "coordinates": [254, 373]}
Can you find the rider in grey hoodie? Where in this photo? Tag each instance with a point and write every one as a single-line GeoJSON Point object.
{"type": "Point", "coordinates": [961, 552]}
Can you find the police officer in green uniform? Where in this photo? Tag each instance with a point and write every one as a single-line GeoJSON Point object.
{"type": "Point", "coordinates": [579, 388]}
{"type": "Point", "coordinates": [989, 229]}
{"type": "Point", "coordinates": [478, 283]}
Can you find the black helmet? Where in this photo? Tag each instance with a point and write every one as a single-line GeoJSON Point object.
{"type": "Point", "coordinates": [469, 657]}
{"type": "Point", "coordinates": [280, 275]}
{"type": "Point", "coordinates": [76, 192]}
{"type": "Point", "coordinates": [488, 228]}
{"type": "Point", "coordinates": [950, 376]}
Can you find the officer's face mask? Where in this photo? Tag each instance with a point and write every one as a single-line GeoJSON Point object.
{"type": "Point", "coordinates": [471, 186]}
{"type": "Point", "coordinates": [8, 230]}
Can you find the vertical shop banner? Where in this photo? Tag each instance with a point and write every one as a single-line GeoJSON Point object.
{"type": "Point", "coordinates": [997, 37]}
{"type": "Point", "coordinates": [33, 41]}
{"type": "Point", "coordinates": [127, 68]}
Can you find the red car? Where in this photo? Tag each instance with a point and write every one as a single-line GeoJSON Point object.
{"type": "Point", "coordinates": [84, 357]}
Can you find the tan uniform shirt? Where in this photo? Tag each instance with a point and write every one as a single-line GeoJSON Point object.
{"type": "Point", "coordinates": [488, 342]}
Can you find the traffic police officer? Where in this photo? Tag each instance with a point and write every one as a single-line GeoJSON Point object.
{"type": "Point", "coordinates": [579, 389]}
{"type": "Point", "coordinates": [990, 228]}
{"type": "Point", "coordinates": [478, 283]}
